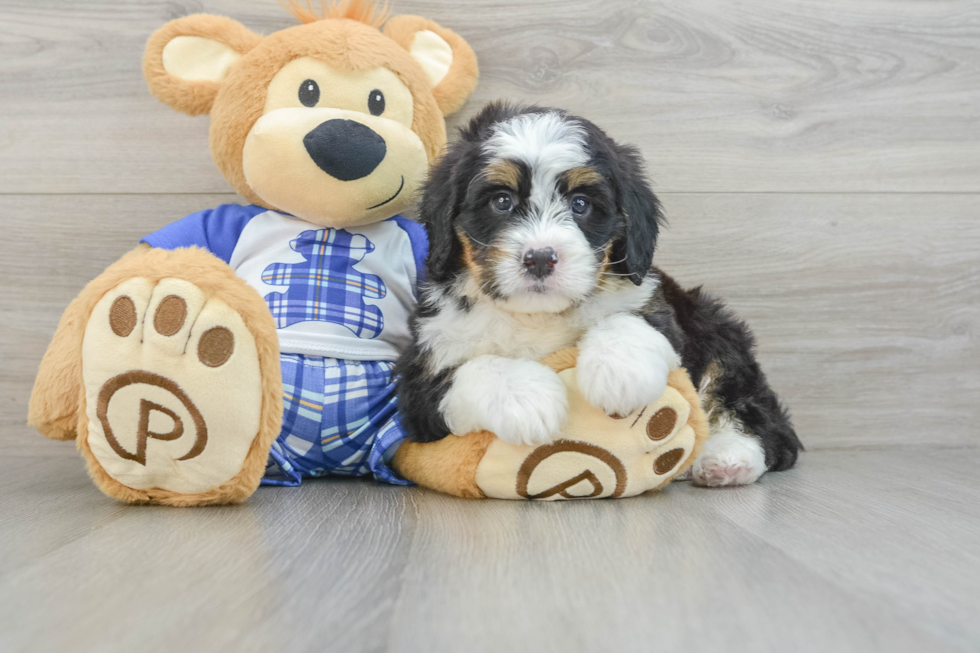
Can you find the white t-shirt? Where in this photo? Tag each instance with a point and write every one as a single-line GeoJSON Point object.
{"type": "Point", "coordinates": [338, 293]}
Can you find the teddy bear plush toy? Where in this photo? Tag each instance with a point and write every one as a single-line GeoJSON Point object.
{"type": "Point", "coordinates": [248, 344]}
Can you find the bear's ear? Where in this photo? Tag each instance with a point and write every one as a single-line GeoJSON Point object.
{"type": "Point", "coordinates": [186, 60]}
{"type": "Point", "coordinates": [448, 61]}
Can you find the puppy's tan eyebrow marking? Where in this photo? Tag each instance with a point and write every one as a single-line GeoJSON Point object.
{"type": "Point", "coordinates": [504, 173]}
{"type": "Point", "coordinates": [581, 176]}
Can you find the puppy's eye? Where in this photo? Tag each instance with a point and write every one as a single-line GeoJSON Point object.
{"type": "Point", "coordinates": [581, 206]}
{"type": "Point", "coordinates": [376, 102]}
{"type": "Point", "coordinates": [502, 203]}
{"type": "Point", "coordinates": [309, 93]}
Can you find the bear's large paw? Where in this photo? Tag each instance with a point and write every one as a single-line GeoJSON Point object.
{"type": "Point", "coordinates": [172, 386]}
{"type": "Point", "coordinates": [597, 455]}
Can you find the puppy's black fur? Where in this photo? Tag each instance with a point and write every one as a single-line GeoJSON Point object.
{"type": "Point", "coordinates": [710, 337]}
{"type": "Point", "coordinates": [625, 220]}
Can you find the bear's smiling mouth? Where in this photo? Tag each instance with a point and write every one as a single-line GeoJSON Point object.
{"type": "Point", "coordinates": [400, 187]}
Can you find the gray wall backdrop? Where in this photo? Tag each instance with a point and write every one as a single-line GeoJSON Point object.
{"type": "Point", "coordinates": [819, 163]}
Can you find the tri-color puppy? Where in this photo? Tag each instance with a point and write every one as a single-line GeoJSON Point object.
{"type": "Point", "coordinates": [542, 232]}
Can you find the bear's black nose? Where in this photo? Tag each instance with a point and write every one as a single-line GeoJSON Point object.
{"type": "Point", "coordinates": [345, 149]}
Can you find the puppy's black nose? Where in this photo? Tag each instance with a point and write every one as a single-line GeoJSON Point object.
{"type": "Point", "coordinates": [540, 262]}
{"type": "Point", "coordinates": [345, 149]}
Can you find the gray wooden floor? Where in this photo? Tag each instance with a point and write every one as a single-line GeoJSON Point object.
{"type": "Point", "coordinates": [853, 551]}
{"type": "Point", "coordinates": [819, 162]}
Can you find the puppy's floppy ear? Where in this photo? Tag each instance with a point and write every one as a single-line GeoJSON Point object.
{"type": "Point", "coordinates": [441, 202]}
{"type": "Point", "coordinates": [448, 61]}
{"type": "Point", "coordinates": [186, 60]}
{"type": "Point", "coordinates": [632, 250]}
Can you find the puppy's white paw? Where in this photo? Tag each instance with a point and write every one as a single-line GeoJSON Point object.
{"type": "Point", "coordinates": [729, 458]}
{"type": "Point", "coordinates": [620, 389]}
{"type": "Point", "coordinates": [623, 364]}
{"type": "Point", "coordinates": [520, 401]}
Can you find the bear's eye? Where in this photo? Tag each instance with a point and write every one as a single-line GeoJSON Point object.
{"type": "Point", "coordinates": [309, 93]}
{"type": "Point", "coordinates": [376, 102]}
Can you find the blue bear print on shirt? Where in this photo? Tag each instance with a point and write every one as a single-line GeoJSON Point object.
{"type": "Point", "coordinates": [326, 287]}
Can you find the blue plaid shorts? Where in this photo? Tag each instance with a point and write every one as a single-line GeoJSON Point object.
{"type": "Point", "coordinates": [340, 418]}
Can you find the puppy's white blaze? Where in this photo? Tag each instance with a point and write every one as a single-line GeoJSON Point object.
{"type": "Point", "coordinates": [547, 143]}
{"type": "Point", "coordinates": [623, 364]}
{"type": "Point", "coordinates": [573, 277]}
{"type": "Point", "coordinates": [520, 401]}
{"type": "Point", "coordinates": [730, 457]}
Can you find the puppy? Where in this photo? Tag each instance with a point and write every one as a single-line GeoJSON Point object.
{"type": "Point", "coordinates": [542, 232]}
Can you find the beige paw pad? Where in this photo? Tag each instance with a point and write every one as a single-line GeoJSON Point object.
{"type": "Point", "coordinates": [598, 456]}
{"type": "Point", "coordinates": [172, 387]}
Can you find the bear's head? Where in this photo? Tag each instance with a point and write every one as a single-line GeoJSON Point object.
{"type": "Point", "coordinates": [334, 120]}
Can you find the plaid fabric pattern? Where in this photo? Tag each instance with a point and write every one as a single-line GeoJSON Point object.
{"type": "Point", "coordinates": [326, 287]}
{"type": "Point", "coordinates": [339, 418]}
